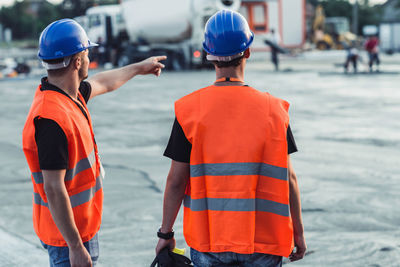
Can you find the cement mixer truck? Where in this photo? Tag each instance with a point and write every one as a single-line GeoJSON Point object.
{"type": "Point", "coordinates": [143, 28]}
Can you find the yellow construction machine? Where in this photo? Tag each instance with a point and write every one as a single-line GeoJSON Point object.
{"type": "Point", "coordinates": [331, 32]}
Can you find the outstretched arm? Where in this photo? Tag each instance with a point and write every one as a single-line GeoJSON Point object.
{"type": "Point", "coordinates": [178, 177]}
{"type": "Point", "coordinates": [108, 81]}
{"type": "Point", "coordinates": [295, 212]}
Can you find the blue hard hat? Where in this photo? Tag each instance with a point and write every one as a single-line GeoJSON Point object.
{"type": "Point", "coordinates": [227, 33]}
{"type": "Point", "coordinates": [63, 38]}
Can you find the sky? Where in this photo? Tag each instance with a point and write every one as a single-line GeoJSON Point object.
{"type": "Point", "coordinates": [9, 2]}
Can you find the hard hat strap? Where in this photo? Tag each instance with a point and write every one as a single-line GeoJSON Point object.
{"type": "Point", "coordinates": [224, 59]}
{"type": "Point", "coordinates": [63, 64]}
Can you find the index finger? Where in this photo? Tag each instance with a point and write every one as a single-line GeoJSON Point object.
{"type": "Point", "coordinates": [158, 58]}
{"type": "Point", "coordinates": [160, 65]}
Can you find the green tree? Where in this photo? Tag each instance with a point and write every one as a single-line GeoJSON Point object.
{"type": "Point", "coordinates": [47, 14]}
{"type": "Point", "coordinates": [74, 8]}
{"type": "Point", "coordinates": [15, 18]}
{"type": "Point", "coordinates": [368, 15]}
{"type": "Point", "coordinates": [337, 8]}
{"type": "Point", "coordinates": [26, 25]}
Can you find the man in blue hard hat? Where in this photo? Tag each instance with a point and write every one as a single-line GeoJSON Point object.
{"type": "Point", "coordinates": [60, 148]}
{"type": "Point", "coordinates": [230, 147]}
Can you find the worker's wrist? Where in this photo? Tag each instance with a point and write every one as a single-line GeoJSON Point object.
{"type": "Point", "coordinates": [139, 68]}
{"type": "Point", "coordinates": [298, 230]}
{"type": "Point", "coordinates": [165, 233]}
{"type": "Point", "coordinates": [165, 229]}
{"type": "Point", "coordinates": [76, 245]}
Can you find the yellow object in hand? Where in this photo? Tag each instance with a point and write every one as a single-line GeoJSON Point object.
{"type": "Point", "coordinates": [180, 251]}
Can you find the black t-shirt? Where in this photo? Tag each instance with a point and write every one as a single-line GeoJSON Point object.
{"type": "Point", "coordinates": [50, 139]}
{"type": "Point", "coordinates": [179, 147]}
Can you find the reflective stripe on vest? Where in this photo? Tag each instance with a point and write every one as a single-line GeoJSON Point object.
{"type": "Point", "coordinates": [82, 165]}
{"type": "Point", "coordinates": [236, 204]}
{"type": "Point", "coordinates": [77, 199]}
{"type": "Point", "coordinates": [239, 168]}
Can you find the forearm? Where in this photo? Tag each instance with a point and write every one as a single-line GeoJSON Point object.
{"type": "Point", "coordinates": [61, 211]}
{"type": "Point", "coordinates": [173, 196]}
{"type": "Point", "coordinates": [113, 79]}
{"type": "Point", "coordinates": [295, 205]}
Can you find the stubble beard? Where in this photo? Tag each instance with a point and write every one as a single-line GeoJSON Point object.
{"type": "Point", "coordinates": [83, 74]}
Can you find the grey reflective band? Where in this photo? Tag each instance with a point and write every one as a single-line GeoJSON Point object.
{"type": "Point", "coordinates": [224, 59]}
{"type": "Point", "coordinates": [37, 199]}
{"type": "Point", "coordinates": [82, 165]}
{"type": "Point", "coordinates": [55, 66]}
{"type": "Point", "coordinates": [38, 177]}
{"type": "Point", "coordinates": [77, 199]}
{"type": "Point", "coordinates": [239, 168]}
{"type": "Point", "coordinates": [236, 204]}
{"type": "Point", "coordinates": [87, 195]}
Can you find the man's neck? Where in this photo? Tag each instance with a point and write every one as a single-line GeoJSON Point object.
{"type": "Point", "coordinates": [232, 72]}
{"type": "Point", "coordinates": [68, 84]}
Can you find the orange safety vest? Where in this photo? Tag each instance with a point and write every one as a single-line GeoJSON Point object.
{"type": "Point", "coordinates": [237, 198]}
{"type": "Point", "coordinates": [83, 179]}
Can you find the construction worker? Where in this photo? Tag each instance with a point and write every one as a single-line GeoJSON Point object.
{"type": "Point", "coordinates": [273, 40]}
{"type": "Point", "coordinates": [372, 47]}
{"type": "Point", "coordinates": [352, 57]}
{"type": "Point", "coordinates": [230, 165]}
{"type": "Point", "coordinates": [60, 148]}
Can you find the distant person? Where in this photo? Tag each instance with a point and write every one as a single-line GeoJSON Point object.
{"type": "Point", "coordinates": [230, 147]}
{"type": "Point", "coordinates": [372, 47]}
{"type": "Point", "coordinates": [59, 144]}
{"type": "Point", "coordinates": [352, 57]}
{"type": "Point", "coordinates": [273, 40]}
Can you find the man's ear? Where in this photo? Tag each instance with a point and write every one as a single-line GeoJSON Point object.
{"type": "Point", "coordinates": [77, 62]}
{"type": "Point", "coordinates": [247, 53]}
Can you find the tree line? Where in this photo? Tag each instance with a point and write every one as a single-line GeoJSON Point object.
{"type": "Point", "coordinates": [27, 19]}
{"type": "Point", "coordinates": [28, 24]}
{"type": "Point", "coordinates": [367, 14]}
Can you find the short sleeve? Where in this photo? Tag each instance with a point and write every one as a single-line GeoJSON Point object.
{"type": "Point", "coordinates": [85, 89]}
{"type": "Point", "coordinates": [178, 148]}
{"type": "Point", "coordinates": [52, 145]}
{"type": "Point", "coordinates": [292, 147]}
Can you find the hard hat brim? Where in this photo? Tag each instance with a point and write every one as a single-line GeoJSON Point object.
{"type": "Point", "coordinates": [90, 45]}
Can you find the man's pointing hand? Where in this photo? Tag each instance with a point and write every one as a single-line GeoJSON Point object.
{"type": "Point", "coordinates": [152, 65]}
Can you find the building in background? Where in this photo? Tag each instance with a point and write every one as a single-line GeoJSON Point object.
{"type": "Point", "coordinates": [389, 29]}
{"type": "Point", "coordinates": [286, 17]}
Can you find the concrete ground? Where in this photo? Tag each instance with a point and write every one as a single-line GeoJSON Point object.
{"type": "Point", "coordinates": [345, 127]}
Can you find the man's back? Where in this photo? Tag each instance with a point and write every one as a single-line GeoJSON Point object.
{"type": "Point", "coordinates": [239, 114]}
{"type": "Point", "coordinates": [238, 170]}
{"type": "Point", "coordinates": [371, 44]}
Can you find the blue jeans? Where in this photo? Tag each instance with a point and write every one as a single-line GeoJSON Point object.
{"type": "Point", "coordinates": [59, 256]}
{"type": "Point", "coordinates": [225, 259]}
